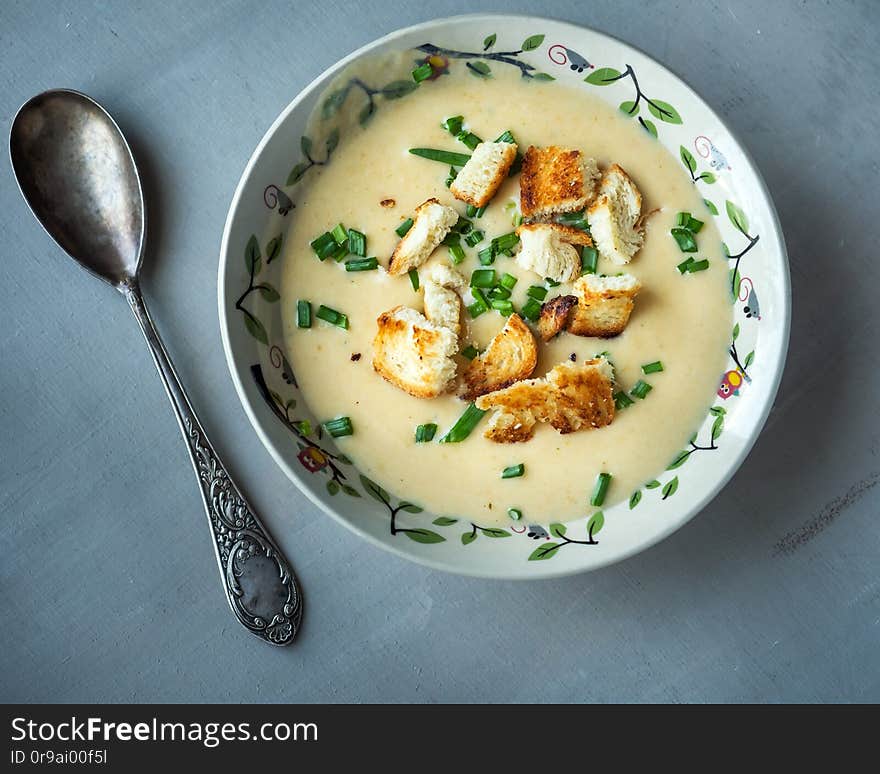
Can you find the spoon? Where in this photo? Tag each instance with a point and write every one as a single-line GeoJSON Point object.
{"type": "Point", "coordinates": [78, 176]}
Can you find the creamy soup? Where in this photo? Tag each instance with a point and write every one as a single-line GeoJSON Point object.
{"type": "Point", "coordinates": [683, 321]}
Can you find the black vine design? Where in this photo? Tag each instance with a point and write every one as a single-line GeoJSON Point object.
{"type": "Point", "coordinates": [306, 146]}
{"type": "Point", "coordinates": [736, 258]}
{"type": "Point", "coordinates": [476, 58]}
{"type": "Point", "coordinates": [548, 550]}
{"type": "Point", "coordinates": [254, 262]}
{"type": "Point", "coordinates": [742, 366]}
{"type": "Point", "coordinates": [416, 534]}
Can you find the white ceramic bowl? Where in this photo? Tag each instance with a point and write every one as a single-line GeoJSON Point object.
{"type": "Point", "coordinates": [721, 168]}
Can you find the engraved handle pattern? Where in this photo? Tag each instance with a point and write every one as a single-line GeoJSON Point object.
{"type": "Point", "coordinates": [259, 583]}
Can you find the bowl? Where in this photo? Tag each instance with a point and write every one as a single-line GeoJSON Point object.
{"type": "Point", "coordinates": [250, 319]}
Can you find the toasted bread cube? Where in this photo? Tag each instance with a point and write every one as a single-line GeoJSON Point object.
{"type": "Point", "coordinates": [511, 356]}
{"type": "Point", "coordinates": [571, 397]}
{"type": "Point", "coordinates": [615, 217]}
{"type": "Point", "coordinates": [484, 172]}
{"type": "Point", "coordinates": [548, 250]}
{"type": "Point", "coordinates": [432, 221]}
{"type": "Point", "coordinates": [414, 353]}
{"type": "Point", "coordinates": [555, 180]}
{"type": "Point", "coordinates": [554, 316]}
{"type": "Point", "coordinates": [442, 302]}
{"type": "Point", "coordinates": [604, 305]}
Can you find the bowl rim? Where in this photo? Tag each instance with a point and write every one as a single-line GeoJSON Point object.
{"type": "Point", "coordinates": [733, 463]}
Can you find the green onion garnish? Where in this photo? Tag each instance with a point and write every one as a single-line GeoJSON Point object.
{"type": "Point", "coordinates": [456, 253]}
{"type": "Point", "coordinates": [589, 259]}
{"type": "Point", "coordinates": [340, 234]}
{"type": "Point", "coordinates": [698, 266]}
{"type": "Point", "coordinates": [508, 281]}
{"type": "Point", "coordinates": [480, 296]}
{"type": "Point", "coordinates": [681, 220]}
{"type": "Point", "coordinates": [507, 136]}
{"type": "Point", "coordinates": [652, 368]}
{"type": "Point", "coordinates": [340, 252]}
{"type": "Point", "coordinates": [446, 157]}
{"type": "Point", "coordinates": [531, 309]}
{"type": "Point", "coordinates": [684, 265]}
{"type": "Point", "coordinates": [502, 305]}
{"type": "Point", "coordinates": [622, 400]}
{"type": "Point", "coordinates": [538, 292]}
{"type": "Point", "coordinates": [514, 471]}
{"type": "Point", "coordinates": [602, 482]}
{"type": "Point", "coordinates": [331, 316]}
{"type": "Point", "coordinates": [362, 264]}
{"type": "Point", "coordinates": [453, 124]}
{"type": "Point", "coordinates": [551, 283]}
{"type": "Point", "coordinates": [464, 426]}
{"type": "Point", "coordinates": [357, 243]}
{"type": "Point", "coordinates": [425, 433]}
{"type": "Point", "coordinates": [324, 245]}
{"type": "Point", "coordinates": [476, 309]}
{"type": "Point", "coordinates": [568, 218]}
{"type": "Point", "coordinates": [413, 278]}
{"type": "Point", "coordinates": [422, 72]}
{"type": "Point", "coordinates": [695, 225]}
{"type": "Point", "coordinates": [303, 314]}
{"type": "Point", "coordinates": [486, 256]}
{"type": "Point", "coordinates": [686, 241]}
{"type": "Point", "coordinates": [499, 292]}
{"type": "Point", "coordinates": [470, 211]}
{"type": "Point", "coordinates": [469, 139]}
{"type": "Point", "coordinates": [505, 243]}
{"type": "Point", "coordinates": [483, 278]}
{"type": "Point", "coordinates": [514, 513]}
{"type": "Point", "coordinates": [404, 227]}
{"type": "Point", "coordinates": [640, 389]}
{"type": "Point", "coordinates": [470, 352]}
{"type": "Point", "coordinates": [474, 238]}
{"type": "Point", "coordinates": [462, 225]}
{"type": "Point", "coordinates": [339, 427]}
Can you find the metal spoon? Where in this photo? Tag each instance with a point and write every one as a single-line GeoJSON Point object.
{"type": "Point", "coordinates": [77, 174]}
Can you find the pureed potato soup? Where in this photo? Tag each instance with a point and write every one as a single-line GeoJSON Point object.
{"type": "Point", "coordinates": [681, 320]}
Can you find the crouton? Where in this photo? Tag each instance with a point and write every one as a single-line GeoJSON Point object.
{"type": "Point", "coordinates": [479, 179]}
{"type": "Point", "coordinates": [604, 305]}
{"type": "Point", "coordinates": [442, 306]}
{"type": "Point", "coordinates": [615, 217]}
{"type": "Point", "coordinates": [512, 355]}
{"type": "Point", "coordinates": [554, 316]}
{"type": "Point", "coordinates": [548, 250]}
{"type": "Point", "coordinates": [448, 277]}
{"type": "Point", "coordinates": [432, 221]}
{"type": "Point", "coordinates": [571, 397]}
{"type": "Point", "coordinates": [414, 353]}
{"type": "Point", "coordinates": [555, 180]}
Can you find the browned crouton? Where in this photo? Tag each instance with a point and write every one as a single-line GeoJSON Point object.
{"type": "Point", "coordinates": [555, 180]}
{"type": "Point", "coordinates": [554, 315]}
{"type": "Point", "coordinates": [548, 250]}
{"type": "Point", "coordinates": [432, 221]}
{"type": "Point", "coordinates": [484, 173]}
{"type": "Point", "coordinates": [604, 305]}
{"type": "Point", "coordinates": [512, 355]}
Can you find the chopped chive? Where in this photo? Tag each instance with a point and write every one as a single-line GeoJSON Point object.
{"type": "Point", "coordinates": [506, 136]}
{"type": "Point", "coordinates": [303, 314]}
{"type": "Point", "coordinates": [479, 212]}
{"type": "Point", "coordinates": [453, 124]}
{"type": "Point", "coordinates": [640, 389]}
{"type": "Point", "coordinates": [470, 352]}
{"type": "Point", "coordinates": [362, 264]}
{"type": "Point", "coordinates": [340, 252]}
{"type": "Point", "coordinates": [508, 281]}
{"type": "Point", "coordinates": [469, 139]}
{"type": "Point", "coordinates": [514, 471]}
{"type": "Point", "coordinates": [462, 225]}
{"type": "Point", "coordinates": [464, 426]}
{"type": "Point", "coordinates": [450, 178]}
{"type": "Point", "coordinates": [502, 305]}
{"type": "Point", "coordinates": [340, 234]}
{"type": "Point", "coordinates": [602, 482]}
{"type": "Point", "coordinates": [682, 219]}
{"type": "Point", "coordinates": [456, 253]}
{"type": "Point", "coordinates": [552, 283]}
{"type": "Point", "coordinates": [531, 309]}
{"type": "Point", "coordinates": [589, 260]}
{"type": "Point", "coordinates": [331, 316]}
{"type": "Point", "coordinates": [425, 433]}
{"type": "Point", "coordinates": [446, 157]}
{"type": "Point", "coordinates": [470, 211]}
{"type": "Point", "coordinates": [537, 292]}
{"type": "Point", "coordinates": [499, 292]}
{"type": "Point", "coordinates": [622, 400]}
{"type": "Point", "coordinates": [483, 278]}
{"type": "Point", "coordinates": [480, 297]}
{"type": "Point", "coordinates": [694, 225]}
{"type": "Point", "coordinates": [413, 278]}
{"type": "Point", "coordinates": [404, 227]}
{"type": "Point", "coordinates": [514, 513]}
{"type": "Point", "coordinates": [698, 266]}
{"type": "Point", "coordinates": [684, 265]}
{"type": "Point", "coordinates": [422, 72]}
{"type": "Point", "coordinates": [571, 217]}
{"type": "Point", "coordinates": [652, 368]}
{"type": "Point", "coordinates": [357, 243]}
{"type": "Point", "coordinates": [685, 239]}
{"type": "Point", "coordinates": [452, 238]}
{"type": "Point", "coordinates": [486, 256]}
{"type": "Point", "coordinates": [505, 243]}
{"type": "Point", "coordinates": [322, 244]}
{"type": "Point", "coordinates": [476, 309]}
{"type": "Point", "coordinates": [339, 427]}
{"type": "Point", "coordinates": [474, 238]}
{"type": "Point", "coordinates": [304, 427]}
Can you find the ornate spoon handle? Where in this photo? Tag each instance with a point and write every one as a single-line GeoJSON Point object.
{"type": "Point", "coordinates": [259, 583]}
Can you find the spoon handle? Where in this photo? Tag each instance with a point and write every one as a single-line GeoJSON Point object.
{"type": "Point", "coordinates": [259, 583]}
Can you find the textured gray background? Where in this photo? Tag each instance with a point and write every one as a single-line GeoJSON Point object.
{"type": "Point", "coordinates": [107, 579]}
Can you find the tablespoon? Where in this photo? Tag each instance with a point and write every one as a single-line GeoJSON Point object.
{"type": "Point", "coordinates": [78, 176]}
